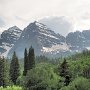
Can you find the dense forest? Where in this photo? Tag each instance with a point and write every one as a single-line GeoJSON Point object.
{"type": "Point", "coordinates": [42, 73]}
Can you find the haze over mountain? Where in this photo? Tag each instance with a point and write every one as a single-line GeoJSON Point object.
{"type": "Point", "coordinates": [20, 12]}
{"type": "Point", "coordinates": [62, 25]}
{"type": "Point", "coordinates": [40, 37]}
{"type": "Point", "coordinates": [47, 42]}
{"type": "Point", "coordinates": [8, 39]}
{"type": "Point", "coordinates": [44, 40]}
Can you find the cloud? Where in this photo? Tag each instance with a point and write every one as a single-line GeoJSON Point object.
{"type": "Point", "coordinates": [19, 18]}
{"type": "Point", "coordinates": [85, 16]}
{"type": "Point", "coordinates": [18, 12]}
{"type": "Point", "coordinates": [60, 25]}
{"type": "Point", "coordinates": [2, 23]}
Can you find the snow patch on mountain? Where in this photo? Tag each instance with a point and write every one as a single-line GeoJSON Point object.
{"type": "Point", "coordinates": [8, 39]}
{"type": "Point", "coordinates": [57, 47]}
{"type": "Point", "coordinates": [48, 35]}
{"type": "Point", "coordinates": [6, 47]}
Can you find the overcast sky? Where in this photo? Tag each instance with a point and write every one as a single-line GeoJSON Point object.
{"type": "Point", "coordinates": [21, 12]}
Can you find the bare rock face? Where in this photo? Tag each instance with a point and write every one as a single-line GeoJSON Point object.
{"type": "Point", "coordinates": [8, 39]}
{"type": "Point", "coordinates": [40, 37]}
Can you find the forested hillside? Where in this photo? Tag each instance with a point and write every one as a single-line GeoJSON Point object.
{"type": "Point", "coordinates": [70, 73]}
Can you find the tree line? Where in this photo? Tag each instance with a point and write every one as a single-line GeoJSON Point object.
{"type": "Point", "coordinates": [9, 75]}
{"type": "Point", "coordinates": [44, 76]}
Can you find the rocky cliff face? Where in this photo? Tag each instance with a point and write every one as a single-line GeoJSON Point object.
{"type": "Point", "coordinates": [78, 40]}
{"type": "Point", "coordinates": [41, 38]}
{"type": "Point", "coordinates": [8, 39]}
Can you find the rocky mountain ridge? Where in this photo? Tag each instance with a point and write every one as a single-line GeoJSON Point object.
{"type": "Point", "coordinates": [8, 39]}
{"type": "Point", "coordinates": [44, 40]}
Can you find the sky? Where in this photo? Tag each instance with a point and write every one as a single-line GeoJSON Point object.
{"type": "Point", "coordinates": [22, 12]}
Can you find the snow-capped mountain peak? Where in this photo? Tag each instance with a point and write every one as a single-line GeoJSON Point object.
{"type": "Point", "coordinates": [8, 39]}
{"type": "Point", "coordinates": [13, 28]}
{"type": "Point", "coordinates": [38, 35]}
{"type": "Point", "coordinates": [44, 41]}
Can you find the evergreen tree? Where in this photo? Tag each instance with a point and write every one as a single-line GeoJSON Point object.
{"type": "Point", "coordinates": [4, 74]}
{"type": "Point", "coordinates": [63, 68]}
{"type": "Point", "coordinates": [25, 62]}
{"type": "Point", "coordinates": [67, 80]}
{"type": "Point", "coordinates": [31, 58]}
{"type": "Point", "coordinates": [14, 68]}
{"type": "Point", "coordinates": [64, 72]}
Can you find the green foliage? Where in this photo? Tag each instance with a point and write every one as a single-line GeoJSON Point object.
{"type": "Point", "coordinates": [73, 74]}
{"type": "Point", "coordinates": [42, 77]}
{"type": "Point", "coordinates": [79, 83]}
{"type": "Point", "coordinates": [41, 58]}
{"type": "Point", "coordinates": [11, 88]}
{"type": "Point", "coordinates": [31, 58]}
{"type": "Point", "coordinates": [4, 75]}
{"type": "Point", "coordinates": [63, 68]}
{"type": "Point", "coordinates": [64, 71]}
{"type": "Point", "coordinates": [20, 80]}
{"type": "Point", "coordinates": [78, 67]}
{"type": "Point", "coordinates": [14, 69]}
{"type": "Point", "coordinates": [25, 62]}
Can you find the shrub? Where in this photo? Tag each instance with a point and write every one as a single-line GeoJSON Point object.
{"type": "Point", "coordinates": [79, 83]}
{"type": "Point", "coordinates": [11, 88]}
{"type": "Point", "coordinates": [42, 77]}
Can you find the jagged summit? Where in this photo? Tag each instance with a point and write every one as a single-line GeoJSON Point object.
{"type": "Point", "coordinates": [37, 26]}
{"type": "Point", "coordinates": [11, 35]}
{"type": "Point", "coordinates": [8, 39]}
{"type": "Point", "coordinates": [44, 41]}
{"type": "Point", "coordinates": [39, 36]}
{"type": "Point", "coordinates": [14, 29]}
{"type": "Point", "coordinates": [40, 25]}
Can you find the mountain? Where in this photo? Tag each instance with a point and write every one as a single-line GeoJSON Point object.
{"type": "Point", "coordinates": [44, 40]}
{"type": "Point", "coordinates": [8, 39]}
{"type": "Point", "coordinates": [78, 40]}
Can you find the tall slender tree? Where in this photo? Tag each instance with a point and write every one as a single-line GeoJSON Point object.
{"type": "Point", "coordinates": [64, 72]}
{"type": "Point", "coordinates": [4, 74]}
{"type": "Point", "coordinates": [25, 62]}
{"type": "Point", "coordinates": [31, 58]}
{"type": "Point", "coordinates": [14, 68]}
{"type": "Point", "coordinates": [63, 69]}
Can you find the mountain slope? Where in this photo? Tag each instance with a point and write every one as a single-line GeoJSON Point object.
{"type": "Point", "coordinates": [78, 40]}
{"type": "Point", "coordinates": [44, 41]}
{"type": "Point", "coordinates": [8, 39]}
{"type": "Point", "coordinates": [40, 37]}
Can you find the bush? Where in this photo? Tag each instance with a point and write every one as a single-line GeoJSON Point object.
{"type": "Point", "coordinates": [11, 88]}
{"type": "Point", "coordinates": [42, 77]}
{"type": "Point", "coordinates": [79, 83]}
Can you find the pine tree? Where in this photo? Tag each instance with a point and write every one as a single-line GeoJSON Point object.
{"type": "Point", "coordinates": [4, 73]}
{"type": "Point", "coordinates": [67, 80]}
{"type": "Point", "coordinates": [64, 72]}
{"type": "Point", "coordinates": [63, 68]}
{"type": "Point", "coordinates": [14, 68]}
{"type": "Point", "coordinates": [25, 62]}
{"type": "Point", "coordinates": [31, 58]}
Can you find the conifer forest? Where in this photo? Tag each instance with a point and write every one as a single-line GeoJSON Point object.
{"type": "Point", "coordinates": [42, 73]}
